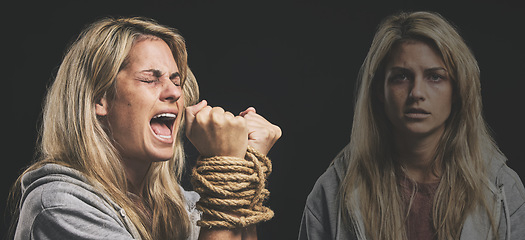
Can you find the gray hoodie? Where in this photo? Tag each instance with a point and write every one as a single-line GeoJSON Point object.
{"type": "Point", "coordinates": [59, 203]}
{"type": "Point", "coordinates": [505, 193]}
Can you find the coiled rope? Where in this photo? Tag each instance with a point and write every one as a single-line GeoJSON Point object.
{"type": "Point", "coordinates": [232, 190]}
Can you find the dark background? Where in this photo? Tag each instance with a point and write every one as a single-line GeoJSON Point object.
{"type": "Point", "coordinates": [295, 61]}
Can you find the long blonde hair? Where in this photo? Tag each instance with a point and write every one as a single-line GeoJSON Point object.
{"type": "Point", "coordinates": [370, 188]}
{"type": "Point", "coordinates": [71, 134]}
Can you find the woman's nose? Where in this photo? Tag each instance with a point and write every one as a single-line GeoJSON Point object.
{"type": "Point", "coordinates": [417, 92]}
{"type": "Point", "coordinates": [170, 91]}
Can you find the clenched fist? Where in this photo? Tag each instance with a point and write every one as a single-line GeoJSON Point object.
{"type": "Point", "coordinates": [215, 132]}
{"type": "Point", "coordinates": [262, 134]}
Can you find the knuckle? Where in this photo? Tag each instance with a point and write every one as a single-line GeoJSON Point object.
{"type": "Point", "coordinates": [217, 115]}
{"type": "Point", "coordinates": [200, 118]}
{"type": "Point", "coordinates": [229, 114]}
{"type": "Point", "coordinates": [217, 110]}
{"type": "Point", "coordinates": [238, 120]}
{"type": "Point", "coordinates": [277, 131]}
{"type": "Point", "coordinates": [203, 116]}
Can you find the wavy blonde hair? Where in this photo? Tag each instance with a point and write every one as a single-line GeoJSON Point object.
{"type": "Point", "coordinates": [370, 189]}
{"type": "Point", "coordinates": [71, 134]}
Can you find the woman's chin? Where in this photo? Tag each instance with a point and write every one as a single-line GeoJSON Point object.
{"type": "Point", "coordinates": [160, 152]}
{"type": "Point", "coordinates": [161, 156]}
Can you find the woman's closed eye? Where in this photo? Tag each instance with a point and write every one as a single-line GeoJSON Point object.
{"type": "Point", "coordinates": [175, 78]}
{"type": "Point", "coordinates": [149, 80]}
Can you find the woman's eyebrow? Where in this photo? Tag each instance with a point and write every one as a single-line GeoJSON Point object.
{"type": "Point", "coordinates": [158, 73]}
{"type": "Point", "coordinates": [428, 69]}
{"type": "Point", "coordinates": [434, 69]}
{"type": "Point", "coordinates": [155, 72]}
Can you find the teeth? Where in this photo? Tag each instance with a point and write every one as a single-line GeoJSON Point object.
{"type": "Point", "coordinates": [168, 115]}
{"type": "Point", "coordinates": [162, 136]}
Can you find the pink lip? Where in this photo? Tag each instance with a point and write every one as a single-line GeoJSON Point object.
{"type": "Point", "coordinates": [416, 113]}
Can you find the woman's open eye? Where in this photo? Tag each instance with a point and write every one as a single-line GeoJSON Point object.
{"type": "Point", "coordinates": [399, 77]}
{"type": "Point", "coordinates": [436, 77]}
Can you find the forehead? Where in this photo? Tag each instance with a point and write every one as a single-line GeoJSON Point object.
{"type": "Point", "coordinates": [415, 52]}
{"type": "Point", "coordinates": [152, 53]}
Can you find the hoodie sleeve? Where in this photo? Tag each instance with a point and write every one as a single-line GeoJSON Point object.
{"type": "Point", "coordinates": [63, 210]}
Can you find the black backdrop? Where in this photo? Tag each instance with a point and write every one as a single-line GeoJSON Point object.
{"type": "Point", "coordinates": [295, 61]}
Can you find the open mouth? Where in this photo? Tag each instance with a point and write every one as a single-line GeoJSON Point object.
{"type": "Point", "coordinates": [162, 125]}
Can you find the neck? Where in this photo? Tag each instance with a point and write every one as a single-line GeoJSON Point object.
{"type": "Point", "coordinates": [136, 172]}
{"type": "Point", "coordinates": [417, 155]}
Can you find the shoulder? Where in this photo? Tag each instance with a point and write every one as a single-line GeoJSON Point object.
{"type": "Point", "coordinates": [321, 213]}
{"type": "Point", "coordinates": [326, 188]}
{"type": "Point", "coordinates": [55, 186]}
{"type": "Point", "coordinates": [58, 203]}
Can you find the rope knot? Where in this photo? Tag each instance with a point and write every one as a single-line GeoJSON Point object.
{"type": "Point", "coordinates": [232, 189]}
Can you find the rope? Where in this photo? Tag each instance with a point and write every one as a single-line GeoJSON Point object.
{"type": "Point", "coordinates": [232, 190]}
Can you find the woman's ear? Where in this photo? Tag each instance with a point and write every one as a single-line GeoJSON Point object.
{"type": "Point", "coordinates": [101, 107]}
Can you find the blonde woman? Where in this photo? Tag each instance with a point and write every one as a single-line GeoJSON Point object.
{"type": "Point", "coordinates": [421, 163]}
{"type": "Point", "coordinates": [111, 154]}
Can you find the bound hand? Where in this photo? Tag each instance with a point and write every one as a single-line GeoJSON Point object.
{"type": "Point", "coordinates": [215, 132]}
{"type": "Point", "coordinates": [262, 134]}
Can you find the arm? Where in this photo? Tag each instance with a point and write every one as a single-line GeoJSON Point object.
{"type": "Point", "coordinates": [215, 132]}
{"type": "Point", "coordinates": [248, 233]}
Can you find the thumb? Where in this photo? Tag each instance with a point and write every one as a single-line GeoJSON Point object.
{"type": "Point", "coordinates": [250, 109]}
{"type": "Point", "coordinates": [191, 111]}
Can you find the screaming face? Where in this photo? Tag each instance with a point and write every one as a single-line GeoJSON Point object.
{"type": "Point", "coordinates": [143, 116]}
